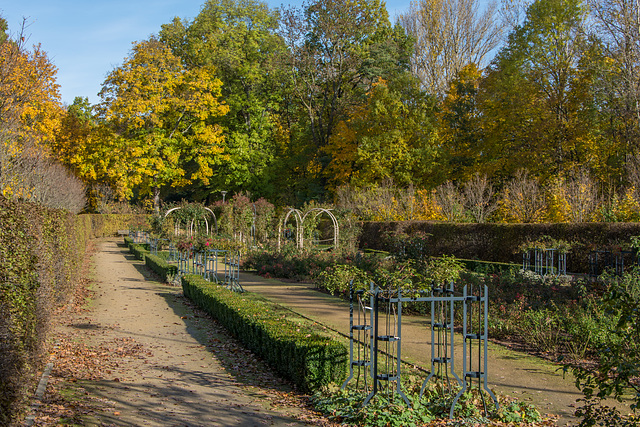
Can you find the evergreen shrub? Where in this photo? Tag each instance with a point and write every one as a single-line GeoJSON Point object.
{"type": "Point", "coordinates": [139, 250]}
{"type": "Point", "coordinates": [295, 351]}
{"type": "Point", "coordinates": [160, 266]}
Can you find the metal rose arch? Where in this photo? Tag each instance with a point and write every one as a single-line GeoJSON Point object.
{"type": "Point", "coordinates": [190, 226]}
{"type": "Point", "coordinates": [300, 218]}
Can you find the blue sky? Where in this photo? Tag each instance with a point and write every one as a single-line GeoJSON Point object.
{"type": "Point", "coordinates": [86, 40]}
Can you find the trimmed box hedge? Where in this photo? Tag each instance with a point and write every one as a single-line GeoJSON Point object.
{"type": "Point", "coordinates": [160, 266]}
{"type": "Point", "coordinates": [139, 250]}
{"type": "Point", "coordinates": [296, 352]}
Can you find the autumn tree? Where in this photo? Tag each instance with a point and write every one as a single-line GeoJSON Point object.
{"type": "Point", "coordinates": [336, 52]}
{"type": "Point", "coordinates": [522, 199]}
{"type": "Point", "coordinates": [157, 114]}
{"type": "Point", "coordinates": [390, 137]}
{"type": "Point", "coordinates": [536, 102]}
{"type": "Point", "coordinates": [460, 129]}
{"type": "Point", "coordinates": [30, 111]}
{"type": "Point", "coordinates": [450, 200]}
{"type": "Point", "coordinates": [29, 93]}
{"type": "Point", "coordinates": [512, 13]}
{"type": "Point", "coordinates": [82, 145]}
{"type": "Point", "coordinates": [616, 24]}
{"type": "Point", "coordinates": [449, 35]}
{"type": "Point", "coordinates": [581, 194]}
{"type": "Point", "coordinates": [238, 38]}
{"type": "Point", "coordinates": [479, 198]}
{"type": "Point", "coordinates": [72, 142]}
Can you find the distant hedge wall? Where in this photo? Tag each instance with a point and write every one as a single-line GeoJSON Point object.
{"type": "Point", "coordinates": [105, 225]}
{"type": "Point", "coordinates": [500, 242]}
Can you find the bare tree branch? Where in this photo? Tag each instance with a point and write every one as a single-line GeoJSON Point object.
{"type": "Point", "coordinates": [449, 34]}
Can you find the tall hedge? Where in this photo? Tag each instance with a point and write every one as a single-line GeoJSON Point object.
{"type": "Point", "coordinates": [500, 242]}
{"type": "Point", "coordinates": [103, 225]}
{"type": "Point", "coordinates": [41, 252]}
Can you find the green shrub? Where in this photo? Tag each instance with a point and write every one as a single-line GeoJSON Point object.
{"type": "Point", "coordinates": [336, 279]}
{"type": "Point", "coordinates": [295, 351]}
{"type": "Point", "coordinates": [542, 328]}
{"type": "Point", "coordinates": [345, 407]}
{"type": "Point", "coordinates": [290, 263]}
{"type": "Point", "coordinates": [160, 266]}
{"type": "Point", "coordinates": [139, 250]}
{"type": "Point", "coordinates": [618, 364]}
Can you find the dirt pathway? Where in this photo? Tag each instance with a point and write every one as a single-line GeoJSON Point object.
{"type": "Point", "coordinates": [141, 356]}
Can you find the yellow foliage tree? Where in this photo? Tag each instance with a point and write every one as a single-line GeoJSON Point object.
{"type": "Point", "coordinates": [390, 137]}
{"type": "Point", "coordinates": [626, 208]}
{"type": "Point", "coordinates": [30, 110]}
{"type": "Point", "coordinates": [160, 122]}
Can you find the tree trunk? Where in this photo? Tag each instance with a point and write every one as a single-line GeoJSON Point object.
{"type": "Point", "coordinates": [156, 199]}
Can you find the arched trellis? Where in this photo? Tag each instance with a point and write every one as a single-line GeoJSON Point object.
{"type": "Point", "coordinates": [253, 224]}
{"type": "Point", "coordinates": [190, 230]}
{"type": "Point", "coordinates": [300, 217]}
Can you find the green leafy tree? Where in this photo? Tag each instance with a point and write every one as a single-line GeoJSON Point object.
{"type": "Point", "coordinates": [238, 38]}
{"type": "Point", "coordinates": [391, 136]}
{"type": "Point", "coordinates": [4, 27]}
{"type": "Point", "coordinates": [158, 119]}
{"type": "Point", "coordinates": [460, 127]}
{"type": "Point", "coordinates": [535, 104]}
{"type": "Point", "coordinates": [337, 51]}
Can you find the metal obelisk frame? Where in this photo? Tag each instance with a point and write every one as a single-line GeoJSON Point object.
{"type": "Point", "coordinates": [387, 344]}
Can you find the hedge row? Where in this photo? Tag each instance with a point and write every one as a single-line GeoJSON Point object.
{"type": "Point", "coordinates": [296, 352]}
{"type": "Point", "coordinates": [500, 242]}
{"type": "Point", "coordinates": [41, 252]}
{"type": "Point", "coordinates": [160, 266]}
{"type": "Point", "coordinates": [156, 263]}
{"type": "Point", "coordinates": [105, 225]}
{"type": "Point", "coordinates": [139, 250]}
